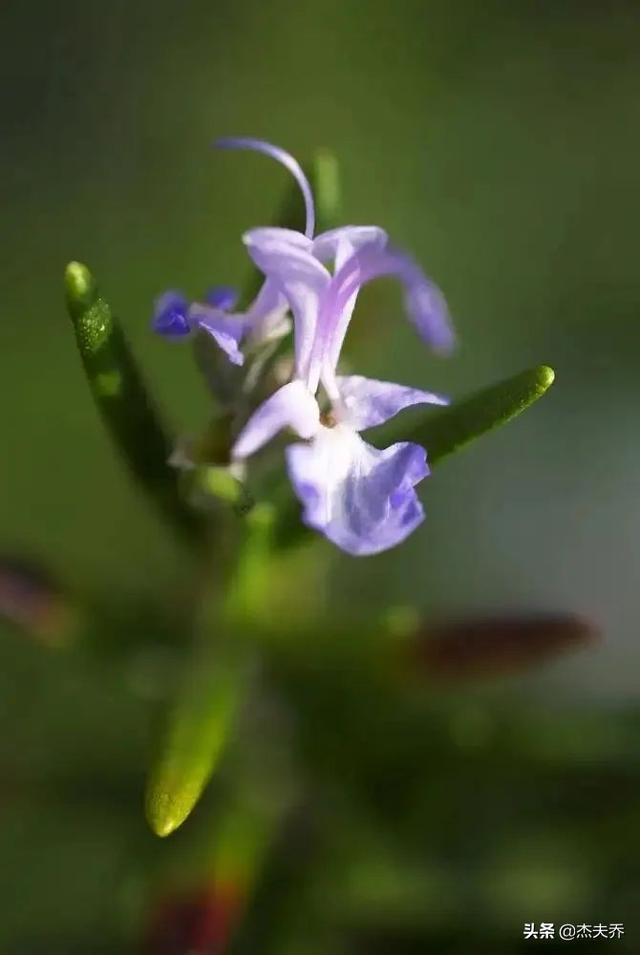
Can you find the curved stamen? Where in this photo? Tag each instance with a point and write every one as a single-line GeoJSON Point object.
{"type": "Point", "coordinates": [259, 146]}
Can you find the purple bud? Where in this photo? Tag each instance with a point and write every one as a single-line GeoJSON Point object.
{"type": "Point", "coordinates": [222, 296]}
{"type": "Point", "coordinates": [170, 315]}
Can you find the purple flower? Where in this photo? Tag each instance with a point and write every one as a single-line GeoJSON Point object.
{"type": "Point", "coordinates": [358, 496]}
{"type": "Point", "coordinates": [175, 317]}
{"type": "Point", "coordinates": [170, 315]}
{"type": "Point", "coordinates": [266, 318]}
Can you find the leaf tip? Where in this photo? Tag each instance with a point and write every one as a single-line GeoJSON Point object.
{"type": "Point", "coordinates": [546, 377]}
{"type": "Point", "coordinates": [80, 287]}
{"type": "Point", "coordinates": [163, 815]}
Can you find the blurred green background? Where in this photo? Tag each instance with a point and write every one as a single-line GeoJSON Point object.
{"type": "Point", "coordinates": [499, 141]}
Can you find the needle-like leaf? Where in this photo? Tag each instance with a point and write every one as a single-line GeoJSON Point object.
{"type": "Point", "coordinates": [447, 430]}
{"type": "Point", "coordinates": [196, 729]}
{"type": "Point", "coordinates": [123, 399]}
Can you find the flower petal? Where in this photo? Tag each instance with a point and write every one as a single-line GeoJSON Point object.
{"type": "Point", "coordinates": [285, 258]}
{"type": "Point", "coordinates": [170, 315]}
{"type": "Point", "coordinates": [425, 304]}
{"type": "Point", "coordinates": [290, 406]}
{"type": "Point", "coordinates": [367, 402]}
{"type": "Point", "coordinates": [226, 330]}
{"type": "Point", "coordinates": [340, 244]}
{"type": "Point", "coordinates": [365, 243]}
{"type": "Point", "coordinates": [266, 318]}
{"type": "Point", "coordinates": [359, 497]}
{"type": "Point", "coordinates": [222, 296]}
{"type": "Point", "coordinates": [264, 235]}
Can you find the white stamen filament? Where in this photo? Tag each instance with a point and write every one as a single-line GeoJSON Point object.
{"type": "Point", "coordinates": [281, 156]}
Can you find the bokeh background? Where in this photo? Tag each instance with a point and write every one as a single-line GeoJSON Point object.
{"type": "Point", "coordinates": [499, 141]}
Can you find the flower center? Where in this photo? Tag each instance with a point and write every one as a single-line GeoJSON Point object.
{"type": "Point", "coordinates": [328, 419]}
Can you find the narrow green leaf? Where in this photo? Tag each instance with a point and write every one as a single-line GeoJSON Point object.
{"type": "Point", "coordinates": [247, 595]}
{"type": "Point", "coordinates": [122, 398]}
{"type": "Point", "coordinates": [196, 730]}
{"type": "Point", "coordinates": [324, 175]}
{"type": "Point", "coordinates": [447, 430]}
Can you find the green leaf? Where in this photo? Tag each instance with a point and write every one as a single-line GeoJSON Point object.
{"type": "Point", "coordinates": [324, 176]}
{"type": "Point", "coordinates": [247, 596]}
{"type": "Point", "coordinates": [123, 400]}
{"type": "Point", "coordinates": [449, 429]}
{"type": "Point", "coordinates": [196, 730]}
